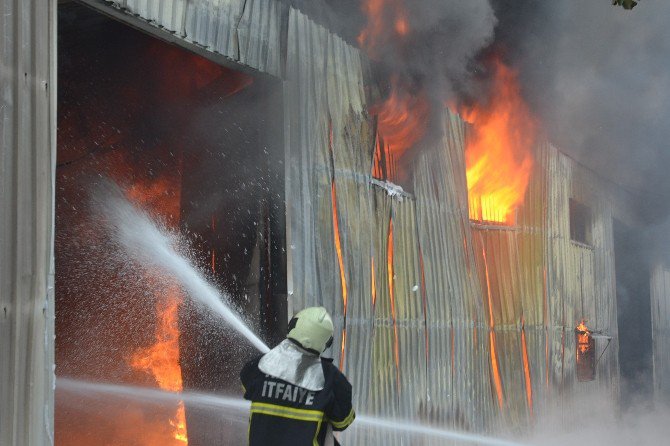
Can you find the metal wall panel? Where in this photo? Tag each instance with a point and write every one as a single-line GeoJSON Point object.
{"type": "Point", "coordinates": [660, 320]}
{"type": "Point", "coordinates": [459, 387]}
{"type": "Point", "coordinates": [580, 278]}
{"type": "Point", "coordinates": [447, 322]}
{"type": "Point", "coordinates": [245, 31]}
{"type": "Point", "coordinates": [27, 155]}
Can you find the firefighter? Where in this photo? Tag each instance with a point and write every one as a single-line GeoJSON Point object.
{"type": "Point", "coordinates": [297, 397]}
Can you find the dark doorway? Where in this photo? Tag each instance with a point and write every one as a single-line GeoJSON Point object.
{"type": "Point", "coordinates": [633, 313]}
{"type": "Point", "coordinates": [198, 146]}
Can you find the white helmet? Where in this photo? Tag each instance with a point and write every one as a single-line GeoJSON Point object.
{"type": "Point", "coordinates": [312, 328]}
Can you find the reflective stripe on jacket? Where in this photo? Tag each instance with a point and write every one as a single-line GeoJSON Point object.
{"type": "Point", "coordinates": [283, 414]}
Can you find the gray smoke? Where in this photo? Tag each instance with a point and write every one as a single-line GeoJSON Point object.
{"type": "Point", "coordinates": [589, 418]}
{"type": "Point", "coordinates": [444, 38]}
{"type": "Point", "coordinates": [599, 78]}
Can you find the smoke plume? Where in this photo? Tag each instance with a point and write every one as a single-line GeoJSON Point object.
{"type": "Point", "coordinates": [599, 78]}
{"type": "Point", "coordinates": [434, 46]}
{"type": "Point", "coordinates": [596, 75]}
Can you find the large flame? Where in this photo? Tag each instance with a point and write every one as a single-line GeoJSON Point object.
{"type": "Point", "coordinates": [161, 359]}
{"type": "Point", "coordinates": [402, 118]}
{"type": "Point", "coordinates": [498, 155]}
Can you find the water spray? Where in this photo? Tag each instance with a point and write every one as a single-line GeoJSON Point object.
{"type": "Point", "coordinates": [142, 238]}
{"type": "Point", "coordinates": [233, 405]}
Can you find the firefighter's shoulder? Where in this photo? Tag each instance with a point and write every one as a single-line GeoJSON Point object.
{"type": "Point", "coordinates": [332, 374]}
{"type": "Point", "coordinates": [341, 412]}
{"type": "Point", "coordinates": [250, 371]}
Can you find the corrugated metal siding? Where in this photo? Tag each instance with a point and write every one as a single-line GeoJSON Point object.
{"type": "Point", "coordinates": [580, 279]}
{"type": "Point", "coordinates": [27, 154]}
{"type": "Point", "coordinates": [245, 31]}
{"type": "Point", "coordinates": [660, 320]}
{"type": "Point", "coordinates": [436, 306]}
{"type": "Point", "coordinates": [458, 370]}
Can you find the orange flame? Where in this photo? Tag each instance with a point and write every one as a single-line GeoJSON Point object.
{"type": "Point", "coordinates": [338, 249]}
{"type": "Point", "coordinates": [374, 281]}
{"type": "Point", "coordinates": [161, 360]}
{"type": "Point", "coordinates": [526, 368]}
{"type": "Point", "coordinates": [402, 118]}
{"type": "Point", "coordinates": [498, 155]}
{"type": "Point", "coordinates": [583, 337]}
{"type": "Point", "coordinates": [495, 367]}
{"type": "Point", "coordinates": [377, 32]}
{"type": "Point", "coordinates": [391, 279]}
{"type": "Point", "coordinates": [497, 380]}
{"type": "Point", "coordinates": [340, 261]}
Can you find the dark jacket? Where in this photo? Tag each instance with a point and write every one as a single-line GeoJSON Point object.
{"type": "Point", "coordinates": [283, 414]}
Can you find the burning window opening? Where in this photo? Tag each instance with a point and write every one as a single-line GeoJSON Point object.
{"type": "Point", "coordinates": [384, 164]}
{"type": "Point", "coordinates": [163, 124]}
{"type": "Point", "coordinates": [402, 120]}
{"type": "Point", "coordinates": [580, 223]}
{"type": "Point", "coordinates": [402, 116]}
{"type": "Point", "coordinates": [498, 152]}
{"type": "Point", "coordinates": [585, 353]}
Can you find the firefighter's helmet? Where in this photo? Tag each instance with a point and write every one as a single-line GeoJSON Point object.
{"type": "Point", "coordinates": [312, 328]}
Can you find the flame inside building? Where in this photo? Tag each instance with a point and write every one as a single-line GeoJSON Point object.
{"type": "Point", "coordinates": [134, 110]}
{"type": "Point", "coordinates": [586, 355]}
{"type": "Point", "coordinates": [498, 155]}
{"type": "Point", "coordinates": [402, 120]}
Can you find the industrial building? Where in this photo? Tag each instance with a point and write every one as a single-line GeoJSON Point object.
{"type": "Point", "coordinates": [249, 126]}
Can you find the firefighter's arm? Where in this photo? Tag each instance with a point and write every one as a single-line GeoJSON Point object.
{"type": "Point", "coordinates": [248, 374]}
{"type": "Point", "coordinates": [342, 413]}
